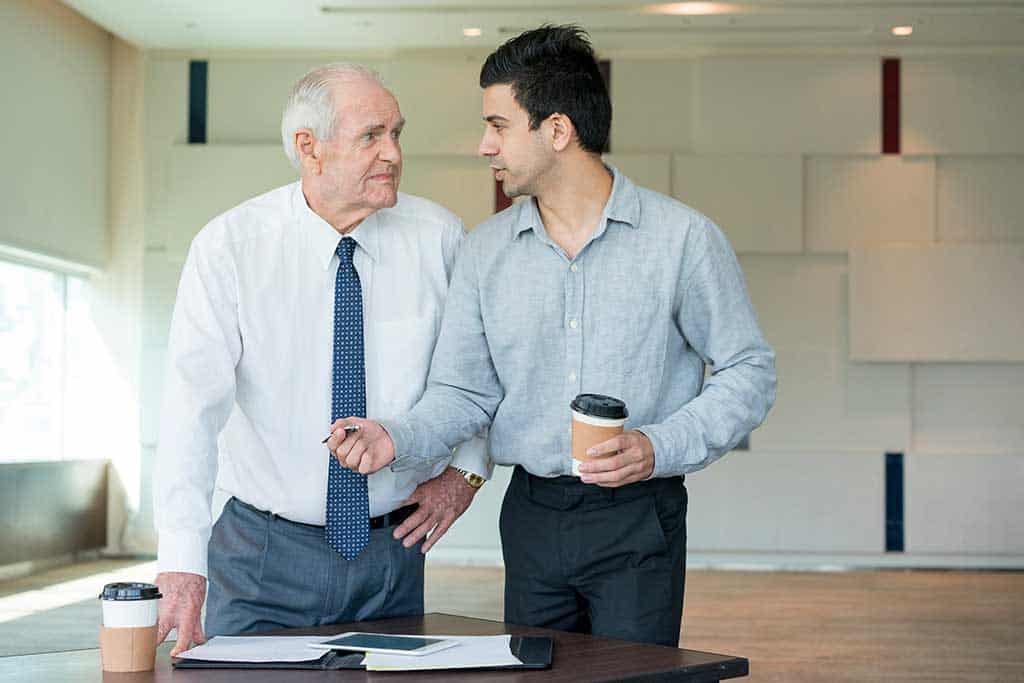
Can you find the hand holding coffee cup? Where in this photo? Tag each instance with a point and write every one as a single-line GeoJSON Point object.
{"type": "Point", "coordinates": [595, 419]}
{"type": "Point", "coordinates": [128, 633]}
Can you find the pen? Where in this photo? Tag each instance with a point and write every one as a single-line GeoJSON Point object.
{"type": "Point", "coordinates": [348, 430]}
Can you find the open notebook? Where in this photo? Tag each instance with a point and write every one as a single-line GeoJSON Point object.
{"type": "Point", "coordinates": [293, 652]}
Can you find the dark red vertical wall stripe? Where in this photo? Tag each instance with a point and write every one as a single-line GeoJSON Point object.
{"type": "Point", "coordinates": [605, 67]}
{"type": "Point", "coordinates": [502, 202]}
{"type": "Point", "coordinates": [890, 106]}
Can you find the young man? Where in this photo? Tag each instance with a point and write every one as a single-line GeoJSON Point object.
{"type": "Point", "coordinates": [592, 285]}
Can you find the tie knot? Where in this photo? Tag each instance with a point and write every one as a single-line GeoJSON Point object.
{"type": "Point", "coordinates": [346, 247]}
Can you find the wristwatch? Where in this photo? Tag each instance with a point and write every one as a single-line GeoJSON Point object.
{"type": "Point", "coordinates": [474, 480]}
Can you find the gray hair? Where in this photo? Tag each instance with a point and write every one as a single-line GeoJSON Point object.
{"type": "Point", "coordinates": [311, 104]}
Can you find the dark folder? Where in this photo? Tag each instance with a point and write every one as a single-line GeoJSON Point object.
{"type": "Point", "coordinates": [533, 651]}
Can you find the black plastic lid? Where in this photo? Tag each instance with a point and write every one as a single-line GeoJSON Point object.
{"type": "Point", "coordinates": [130, 591]}
{"type": "Point", "coordinates": [599, 405]}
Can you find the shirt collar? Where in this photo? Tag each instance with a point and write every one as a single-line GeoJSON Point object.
{"type": "Point", "coordinates": [324, 238]}
{"type": "Point", "coordinates": [623, 207]}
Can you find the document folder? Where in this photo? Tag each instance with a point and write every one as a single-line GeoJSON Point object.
{"type": "Point", "coordinates": [534, 652]}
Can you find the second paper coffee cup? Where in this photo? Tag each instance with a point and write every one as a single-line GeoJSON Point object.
{"type": "Point", "coordinates": [595, 418]}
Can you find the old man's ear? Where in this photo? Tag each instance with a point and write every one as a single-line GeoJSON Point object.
{"type": "Point", "coordinates": [308, 151]}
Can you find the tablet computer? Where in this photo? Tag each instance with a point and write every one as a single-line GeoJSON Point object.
{"type": "Point", "coordinates": [386, 643]}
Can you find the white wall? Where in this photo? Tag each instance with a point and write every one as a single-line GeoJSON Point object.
{"type": "Point", "coordinates": [783, 153]}
{"type": "Point", "coordinates": [55, 135]}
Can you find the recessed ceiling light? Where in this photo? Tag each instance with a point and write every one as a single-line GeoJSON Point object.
{"type": "Point", "coordinates": [692, 8]}
{"type": "Point", "coordinates": [471, 32]}
{"type": "Point", "coordinates": [902, 30]}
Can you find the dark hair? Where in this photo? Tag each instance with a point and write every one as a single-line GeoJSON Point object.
{"type": "Point", "coordinates": [552, 69]}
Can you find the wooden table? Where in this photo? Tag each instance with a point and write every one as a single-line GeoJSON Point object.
{"type": "Point", "coordinates": [576, 658]}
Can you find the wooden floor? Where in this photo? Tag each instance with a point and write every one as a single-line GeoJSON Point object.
{"type": "Point", "coordinates": [792, 626]}
{"type": "Point", "coordinates": [810, 626]}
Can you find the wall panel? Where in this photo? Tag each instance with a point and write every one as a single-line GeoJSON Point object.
{"type": "Point", "coordinates": [653, 171]}
{"type": "Point", "coordinates": [825, 402]}
{"type": "Point", "coordinates": [968, 408]}
{"type": "Point", "coordinates": [963, 105]}
{"type": "Point", "coordinates": [853, 201]}
{"type": "Point", "coordinates": [788, 105]}
{"type": "Point", "coordinates": [463, 185]}
{"type": "Point", "coordinates": [937, 304]}
{"type": "Point", "coordinates": [757, 200]}
{"type": "Point", "coordinates": [640, 87]}
{"type": "Point", "coordinates": [776, 502]}
{"type": "Point", "coordinates": [980, 199]}
{"type": "Point", "coordinates": [964, 504]}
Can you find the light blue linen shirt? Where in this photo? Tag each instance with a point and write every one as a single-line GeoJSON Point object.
{"type": "Point", "coordinates": [653, 296]}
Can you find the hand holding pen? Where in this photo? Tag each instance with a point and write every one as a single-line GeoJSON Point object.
{"type": "Point", "coordinates": [361, 445]}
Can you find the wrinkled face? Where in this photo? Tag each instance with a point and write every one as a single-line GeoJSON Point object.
{"type": "Point", "coordinates": [518, 156]}
{"type": "Point", "coordinates": [362, 163]}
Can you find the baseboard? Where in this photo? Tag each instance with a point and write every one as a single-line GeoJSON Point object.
{"type": "Point", "coordinates": [486, 557]}
{"type": "Point", "coordinates": [847, 562]}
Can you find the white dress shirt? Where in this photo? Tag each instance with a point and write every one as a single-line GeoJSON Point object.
{"type": "Point", "coordinates": [247, 390]}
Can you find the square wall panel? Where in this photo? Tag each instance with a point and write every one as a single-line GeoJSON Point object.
{"type": "Point", "coordinates": [963, 105]}
{"type": "Point", "coordinates": [824, 401]}
{"type": "Point", "coordinates": [204, 181]}
{"type": "Point", "coordinates": [857, 201]}
{"type": "Point", "coordinates": [789, 105]}
{"type": "Point", "coordinates": [246, 97]}
{"type": "Point", "coordinates": [652, 105]}
{"type": "Point", "coordinates": [964, 503]}
{"type": "Point", "coordinates": [768, 501]}
{"type": "Point", "coordinates": [653, 171]}
{"type": "Point", "coordinates": [800, 301]}
{"type": "Point", "coordinates": [463, 185]}
{"type": "Point", "coordinates": [757, 200]}
{"type": "Point", "coordinates": [969, 408]}
{"type": "Point", "coordinates": [442, 104]}
{"type": "Point", "coordinates": [980, 198]}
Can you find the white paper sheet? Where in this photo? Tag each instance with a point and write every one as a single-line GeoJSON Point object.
{"type": "Point", "coordinates": [257, 649]}
{"type": "Point", "coordinates": [471, 652]}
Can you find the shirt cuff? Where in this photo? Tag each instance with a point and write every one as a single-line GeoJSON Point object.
{"type": "Point", "coordinates": [402, 440]}
{"type": "Point", "coordinates": [182, 551]}
{"type": "Point", "coordinates": [662, 454]}
{"type": "Point", "coordinates": [472, 456]}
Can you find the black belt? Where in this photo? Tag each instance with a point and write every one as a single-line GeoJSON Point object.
{"type": "Point", "coordinates": [389, 519]}
{"type": "Point", "coordinates": [393, 518]}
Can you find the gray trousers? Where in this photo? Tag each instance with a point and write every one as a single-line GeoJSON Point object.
{"type": "Point", "coordinates": [268, 573]}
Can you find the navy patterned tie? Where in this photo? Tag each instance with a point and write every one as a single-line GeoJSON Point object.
{"type": "Point", "coordinates": [348, 504]}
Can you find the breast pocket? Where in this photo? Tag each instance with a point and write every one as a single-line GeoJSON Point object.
{"type": "Point", "coordinates": [403, 350]}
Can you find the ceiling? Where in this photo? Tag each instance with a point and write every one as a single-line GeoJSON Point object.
{"type": "Point", "coordinates": [622, 27]}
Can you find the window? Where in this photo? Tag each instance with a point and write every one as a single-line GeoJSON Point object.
{"type": "Point", "coordinates": [34, 353]}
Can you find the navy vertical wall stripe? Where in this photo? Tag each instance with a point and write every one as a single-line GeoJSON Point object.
{"type": "Point", "coordinates": [894, 502]}
{"type": "Point", "coordinates": [197, 71]}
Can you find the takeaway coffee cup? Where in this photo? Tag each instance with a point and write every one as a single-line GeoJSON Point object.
{"type": "Point", "coordinates": [595, 418]}
{"type": "Point", "coordinates": [128, 633]}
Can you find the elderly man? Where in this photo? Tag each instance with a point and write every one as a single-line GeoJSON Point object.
{"type": "Point", "coordinates": [591, 285]}
{"type": "Point", "coordinates": [317, 300]}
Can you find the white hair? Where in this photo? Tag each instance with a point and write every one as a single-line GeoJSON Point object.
{"type": "Point", "coordinates": [311, 104]}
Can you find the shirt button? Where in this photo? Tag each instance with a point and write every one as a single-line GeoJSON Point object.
{"type": "Point", "coordinates": [573, 324]}
{"type": "Point", "coordinates": [572, 376]}
{"type": "Point", "coordinates": [574, 268]}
